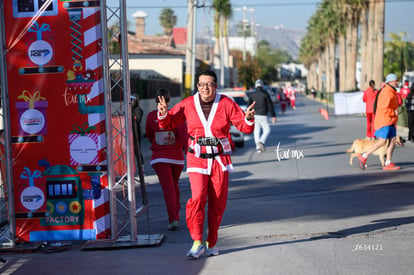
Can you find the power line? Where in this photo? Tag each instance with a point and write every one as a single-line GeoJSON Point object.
{"type": "Point", "coordinates": [257, 4]}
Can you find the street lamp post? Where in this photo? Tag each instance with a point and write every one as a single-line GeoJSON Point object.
{"type": "Point", "coordinates": [245, 22]}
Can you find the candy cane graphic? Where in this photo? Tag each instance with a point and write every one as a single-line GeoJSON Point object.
{"type": "Point", "coordinates": [89, 90]}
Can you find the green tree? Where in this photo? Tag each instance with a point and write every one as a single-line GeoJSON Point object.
{"type": "Point", "coordinates": [247, 71]}
{"type": "Point", "coordinates": [268, 60]}
{"type": "Point", "coordinates": [398, 55]}
{"type": "Point", "coordinates": [167, 20]}
{"type": "Point", "coordinates": [114, 38]}
{"type": "Point", "coordinates": [223, 12]}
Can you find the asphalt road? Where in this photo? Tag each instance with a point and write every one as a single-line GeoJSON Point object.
{"type": "Point", "coordinates": [297, 208]}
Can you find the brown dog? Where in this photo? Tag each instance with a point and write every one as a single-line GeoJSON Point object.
{"type": "Point", "coordinates": [361, 145]}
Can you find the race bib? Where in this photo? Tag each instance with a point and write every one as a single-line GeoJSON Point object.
{"type": "Point", "coordinates": [225, 144]}
{"type": "Point", "coordinates": [165, 138]}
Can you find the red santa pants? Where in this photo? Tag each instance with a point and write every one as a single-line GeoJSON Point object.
{"type": "Point", "coordinates": [370, 125]}
{"type": "Point", "coordinates": [283, 106]}
{"type": "Point", "coordinates": [293, 103]}
{"type": "Point", "coordinates": [168, 175]}
{"type": "Point", "coordinates": [213, 187]}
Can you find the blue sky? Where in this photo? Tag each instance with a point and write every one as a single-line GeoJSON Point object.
{"type": "Point", "coordinates": [293, 14]}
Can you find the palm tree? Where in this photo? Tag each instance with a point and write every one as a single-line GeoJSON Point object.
{"type": "Point", "coordinates": [309, 52]}
{"type": "Point", "coordinates": [324, 35]}
{"type": "Point", "coordinates": [223, 12]}
{"type": "Point", "coordinates": [396, 52]}
{"type": "Point", "coordinates": [167, 20]}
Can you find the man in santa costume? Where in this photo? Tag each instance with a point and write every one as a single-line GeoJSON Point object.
{"type": "Point", "coordinates": [291, 95]}
{"type": "Point", "coordinates": [209, 116]}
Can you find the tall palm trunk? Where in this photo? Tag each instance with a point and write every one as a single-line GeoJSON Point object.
{"type": "Point", "coordinates": [363, 44]}
{"type": "Point", "coordinates": [327, 68]}
{"type": "Point", "coordinates": [351, 56]}
{"type": "Point", "coordinates": [223, 11]}
{"type": "Point", "coordinates": [354, 54]}
{"type": "Point", "coordinates": [218, 60]}
{"type": "Point", "coordinates": [222, 59]}
{"type": "Point", "coordinates": [369, 65]}
{"type": "Point", "coordinates": [226, 53]}
{"type": "Point", "coordinates": [321, 74]}
{"type": "Point", "coordinates": [378, 69]}
{"type": "Point", "coordinates": [314, 75]}
{"type": "Point", "coordinates": [342, 62]}
{"type": "Point", "coordinates": [332, 75]}
{"type": "Point", "coordinates": [311, 78]}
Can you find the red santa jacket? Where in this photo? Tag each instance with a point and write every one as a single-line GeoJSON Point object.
{"type": "Point", "coordinates": [369, 98]}
{"type": "Point", "coordinates": [224, 112]}
{"type": "Point", "coordinates": [167, 146]}
{"type": "Point", "coordinates": [404, 91]}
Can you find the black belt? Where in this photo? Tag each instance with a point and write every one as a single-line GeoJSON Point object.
{"type": "Point", "coordinates": [207, 141]}
{"type": "Point", "coordinates": [205, 155]}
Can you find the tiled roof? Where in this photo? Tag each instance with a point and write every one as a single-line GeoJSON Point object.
{"type": "Point", "coordinates": [153, 45]}
{"type": "Point", "coordinates": [165, 40]}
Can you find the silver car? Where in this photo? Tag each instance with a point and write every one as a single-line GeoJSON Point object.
{"type": "Point", "coordinates": [240, 98]}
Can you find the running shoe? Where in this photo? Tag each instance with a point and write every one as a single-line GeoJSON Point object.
{"type": "Point", "coordinates": [391, 167]}
{"type": "Point", "coordinates": [261, 146]}
{"type": "Point", "coordinates": [362, 161]}
{"type": "Point", "coordinates": [213, 251]}
{"type": "Point", "coordinates": [174, 226]}
{"type": "Point", "coordinates": [196, 250]}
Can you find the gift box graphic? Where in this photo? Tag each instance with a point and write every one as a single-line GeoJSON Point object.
{"type": "Point", "coordinates": [80, 81]}
{"type": "Point", "coordinates": [32, 113]}
{"type": "Point", "coordinates": [30, 195]}
{"type": "Point", "coordinates": [83, 146]}
{"type": "Point", "coordinates": [40, 51]}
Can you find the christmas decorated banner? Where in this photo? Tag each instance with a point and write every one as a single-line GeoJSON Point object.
{"type": "Point", "coordinates": [56, 100]}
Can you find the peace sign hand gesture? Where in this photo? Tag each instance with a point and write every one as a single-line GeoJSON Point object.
{"type": "Point", "coordinates": [162, 106]}
{"type": "Point", "coordinates": [250, 111]}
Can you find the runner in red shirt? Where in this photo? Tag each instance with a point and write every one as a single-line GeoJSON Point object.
{"type": "Point", "coordinates": [404, 90]}
{"type": "Point", "coordinates": [369, 98]}
{"type": "Point", "coordinates": [167, 159]}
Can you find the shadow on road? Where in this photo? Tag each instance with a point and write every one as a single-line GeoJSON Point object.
{"type": "Point", "coordinates": [376, 227]}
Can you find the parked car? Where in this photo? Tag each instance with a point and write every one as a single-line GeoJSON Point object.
{"type": "Point", "coordinates": [240, 98]}
{"type": "Point", "coordinates": [272, 91]}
